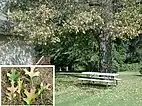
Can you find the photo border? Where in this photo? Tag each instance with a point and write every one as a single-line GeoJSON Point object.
{"type": "Point", "coordinates": [52, 66]}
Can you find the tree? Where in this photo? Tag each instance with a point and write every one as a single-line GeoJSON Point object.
{"type": "Point", "coordinates": [44, 20]}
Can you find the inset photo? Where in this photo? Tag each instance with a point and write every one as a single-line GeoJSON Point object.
{"type": "Point", "coordinates": [27, 85]}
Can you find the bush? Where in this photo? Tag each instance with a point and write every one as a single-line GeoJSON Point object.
{"type": "Point", "coordinates": [141, 68]}
{"type": "Point", "coordinates": [134, 67]}
{"type": "Point", "coordinates": [140, 71]}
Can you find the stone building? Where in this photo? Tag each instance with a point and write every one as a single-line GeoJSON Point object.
{"type": "Point", "coordinates": [13, 52]}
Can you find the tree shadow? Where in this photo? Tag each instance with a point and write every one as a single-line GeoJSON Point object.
{"type": "Point", "coordinates": [85, 85]}
{"type": "Point", "coordinates": [92, 85]}
{"type": "Point", "coordinates": [66, 82]}
{"type": "Point", "coordinates": [138, 75]}
{"type": "Point", "coordinates": [71, 75]}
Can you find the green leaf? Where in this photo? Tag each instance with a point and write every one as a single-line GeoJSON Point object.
{"type": "Point", "coordinates": [31, 96]}
{"type": "Point", "coordinates": [19, 82]}
{"type": "Point", "coordinates": [43, 87]}
{"type": "Point", "coordinates": [40, 90]}
{"type": "Point", "coordinates": [14, 75]}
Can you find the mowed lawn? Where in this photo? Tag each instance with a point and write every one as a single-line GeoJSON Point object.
{"type": "Point", "coordinates": [72, 92]}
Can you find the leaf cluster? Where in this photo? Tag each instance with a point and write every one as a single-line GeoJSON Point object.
{"type": "Point", "coordinates": [44, 20]}
{"type": "Point", "coordinates": [26, 91]}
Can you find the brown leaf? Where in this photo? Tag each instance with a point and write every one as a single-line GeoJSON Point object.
{"type": "Point", "coordinates": [12, 89]}
{"type": "Point", "coordinates": [12, 92]}
{"type": "Point", "coordinates": [31, 73]}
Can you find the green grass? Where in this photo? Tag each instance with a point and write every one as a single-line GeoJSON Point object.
{"type": "Point", "coordinates": [72, 92]}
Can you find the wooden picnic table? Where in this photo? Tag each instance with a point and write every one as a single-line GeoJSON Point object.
{"type": "Point", "coordinates": [108, 78]}
{"type": "Point", "coordinates": [98, 73]}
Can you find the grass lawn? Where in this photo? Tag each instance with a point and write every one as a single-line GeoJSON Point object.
{"type": "Point", "coordinates": [71, 92]}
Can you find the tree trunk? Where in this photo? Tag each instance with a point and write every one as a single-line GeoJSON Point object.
{"type": "Point", "coordinates": [105, 48]}
{"type": "Point", "coordinates": [105, 40]}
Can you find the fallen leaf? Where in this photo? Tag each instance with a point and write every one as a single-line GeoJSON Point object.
{"type": "Point", "coordinates": [11, 94]}
{"type": "Point", "coordinates": [12, 89]}
{"type": "Point", "coordinates": [31, 96]}
{"type": "Point", "coordinates": [31, 73]}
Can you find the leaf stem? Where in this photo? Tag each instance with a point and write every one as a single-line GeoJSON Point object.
{"type": "Point", "coordinates": [31, 81]}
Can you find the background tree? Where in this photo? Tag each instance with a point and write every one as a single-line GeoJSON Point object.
{"type": "Point", "coordinates": [50, 22]}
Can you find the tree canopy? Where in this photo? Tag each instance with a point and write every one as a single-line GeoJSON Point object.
{"type": "Point", "coordinates": [43, 19]}
{"type": "Point", "coordinates": [52, 21]}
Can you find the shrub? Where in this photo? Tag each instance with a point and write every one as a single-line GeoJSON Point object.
{"type": "Point", "coordinates": [135, 67]}
{"type": "Point", "coordinates": [140, 71]}
{"type": "Point", "coordinates": [141, 68]}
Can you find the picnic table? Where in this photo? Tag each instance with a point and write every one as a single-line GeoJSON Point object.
{"type": "Point", "coordinates": [107, 78]}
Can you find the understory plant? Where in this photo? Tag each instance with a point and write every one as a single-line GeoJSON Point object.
{"type": "Point", "coordinates": [141, 68]}
{"type": "Point", "coordinates": [23, 87]}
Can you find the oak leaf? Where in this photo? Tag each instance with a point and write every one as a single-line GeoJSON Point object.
{"type": "Point", "coordinates": [13, 76]}
{"type": "Point", "coordinates": [12, 92]}
{"type": "Point", "coordinates": [31, 96]}
{"type": "Point", "coordinates": [31, 73]}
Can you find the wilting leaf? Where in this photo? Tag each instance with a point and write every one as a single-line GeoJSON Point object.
{"type": "Point", "coordinates": [31, 73]}
{"type": "Point", "coordinates": [12, 89]}
{"type": "Point", "coordinates": [43, 87]}
{"type": "Point", "coordinates": [9, 96]}
{"type": "Point", "coordinates": [12, 92]}
{"type": "Point", "coordinates": [31, 96]}
{"type": "Point", "coordinates": [13, 76]}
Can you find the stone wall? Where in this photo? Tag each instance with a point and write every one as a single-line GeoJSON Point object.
{"type": "Point", "coordinates": [16, 53]}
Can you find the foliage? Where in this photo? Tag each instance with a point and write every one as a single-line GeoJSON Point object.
{"type": "Point", "coordinates": [68, 30]}
{"type": "Point", "coordinates": [128, 21]}
{"type": "Point", "coordinates": [74, 50]}
{"type": "Point", "coordinates": [140, 68]}
{"type": "Point", "coordinates": [31, 96]}
{"type": "Point", "coordinates": [19, 85]}
{"type": "Point", "coordinates": [31, 73]}
{"type": "Point", "coordinates": [134, 50]}
{"type": "Point", "coordinates": [32, 19]}
{"type": "Point", "coordinates": [82, 21]}
{"type": "Point", "coordinates": [118, 54]}
{"type": "Point", "coordinates": [11, 91]}
{"type": "Point", "coordinates": [133, 67]}
{"type": "Point", "coordinates": [127, 55]}
{"type": "Point", "coordinates": [140, 71]}
{"type": "Point", "coordinates": [13, 76]}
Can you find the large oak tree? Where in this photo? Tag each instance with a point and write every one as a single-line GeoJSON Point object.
{"type": "Point", "coordinates": [44, 20]}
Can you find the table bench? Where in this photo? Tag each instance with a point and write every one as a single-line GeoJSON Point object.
{"type": "Point", "coordinates": [108, 78]}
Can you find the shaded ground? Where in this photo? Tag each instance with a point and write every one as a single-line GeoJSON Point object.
{"type": "Point", "coordinates": [46, 76]}
{"type": "Point", "coordinates": [72, 92]}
